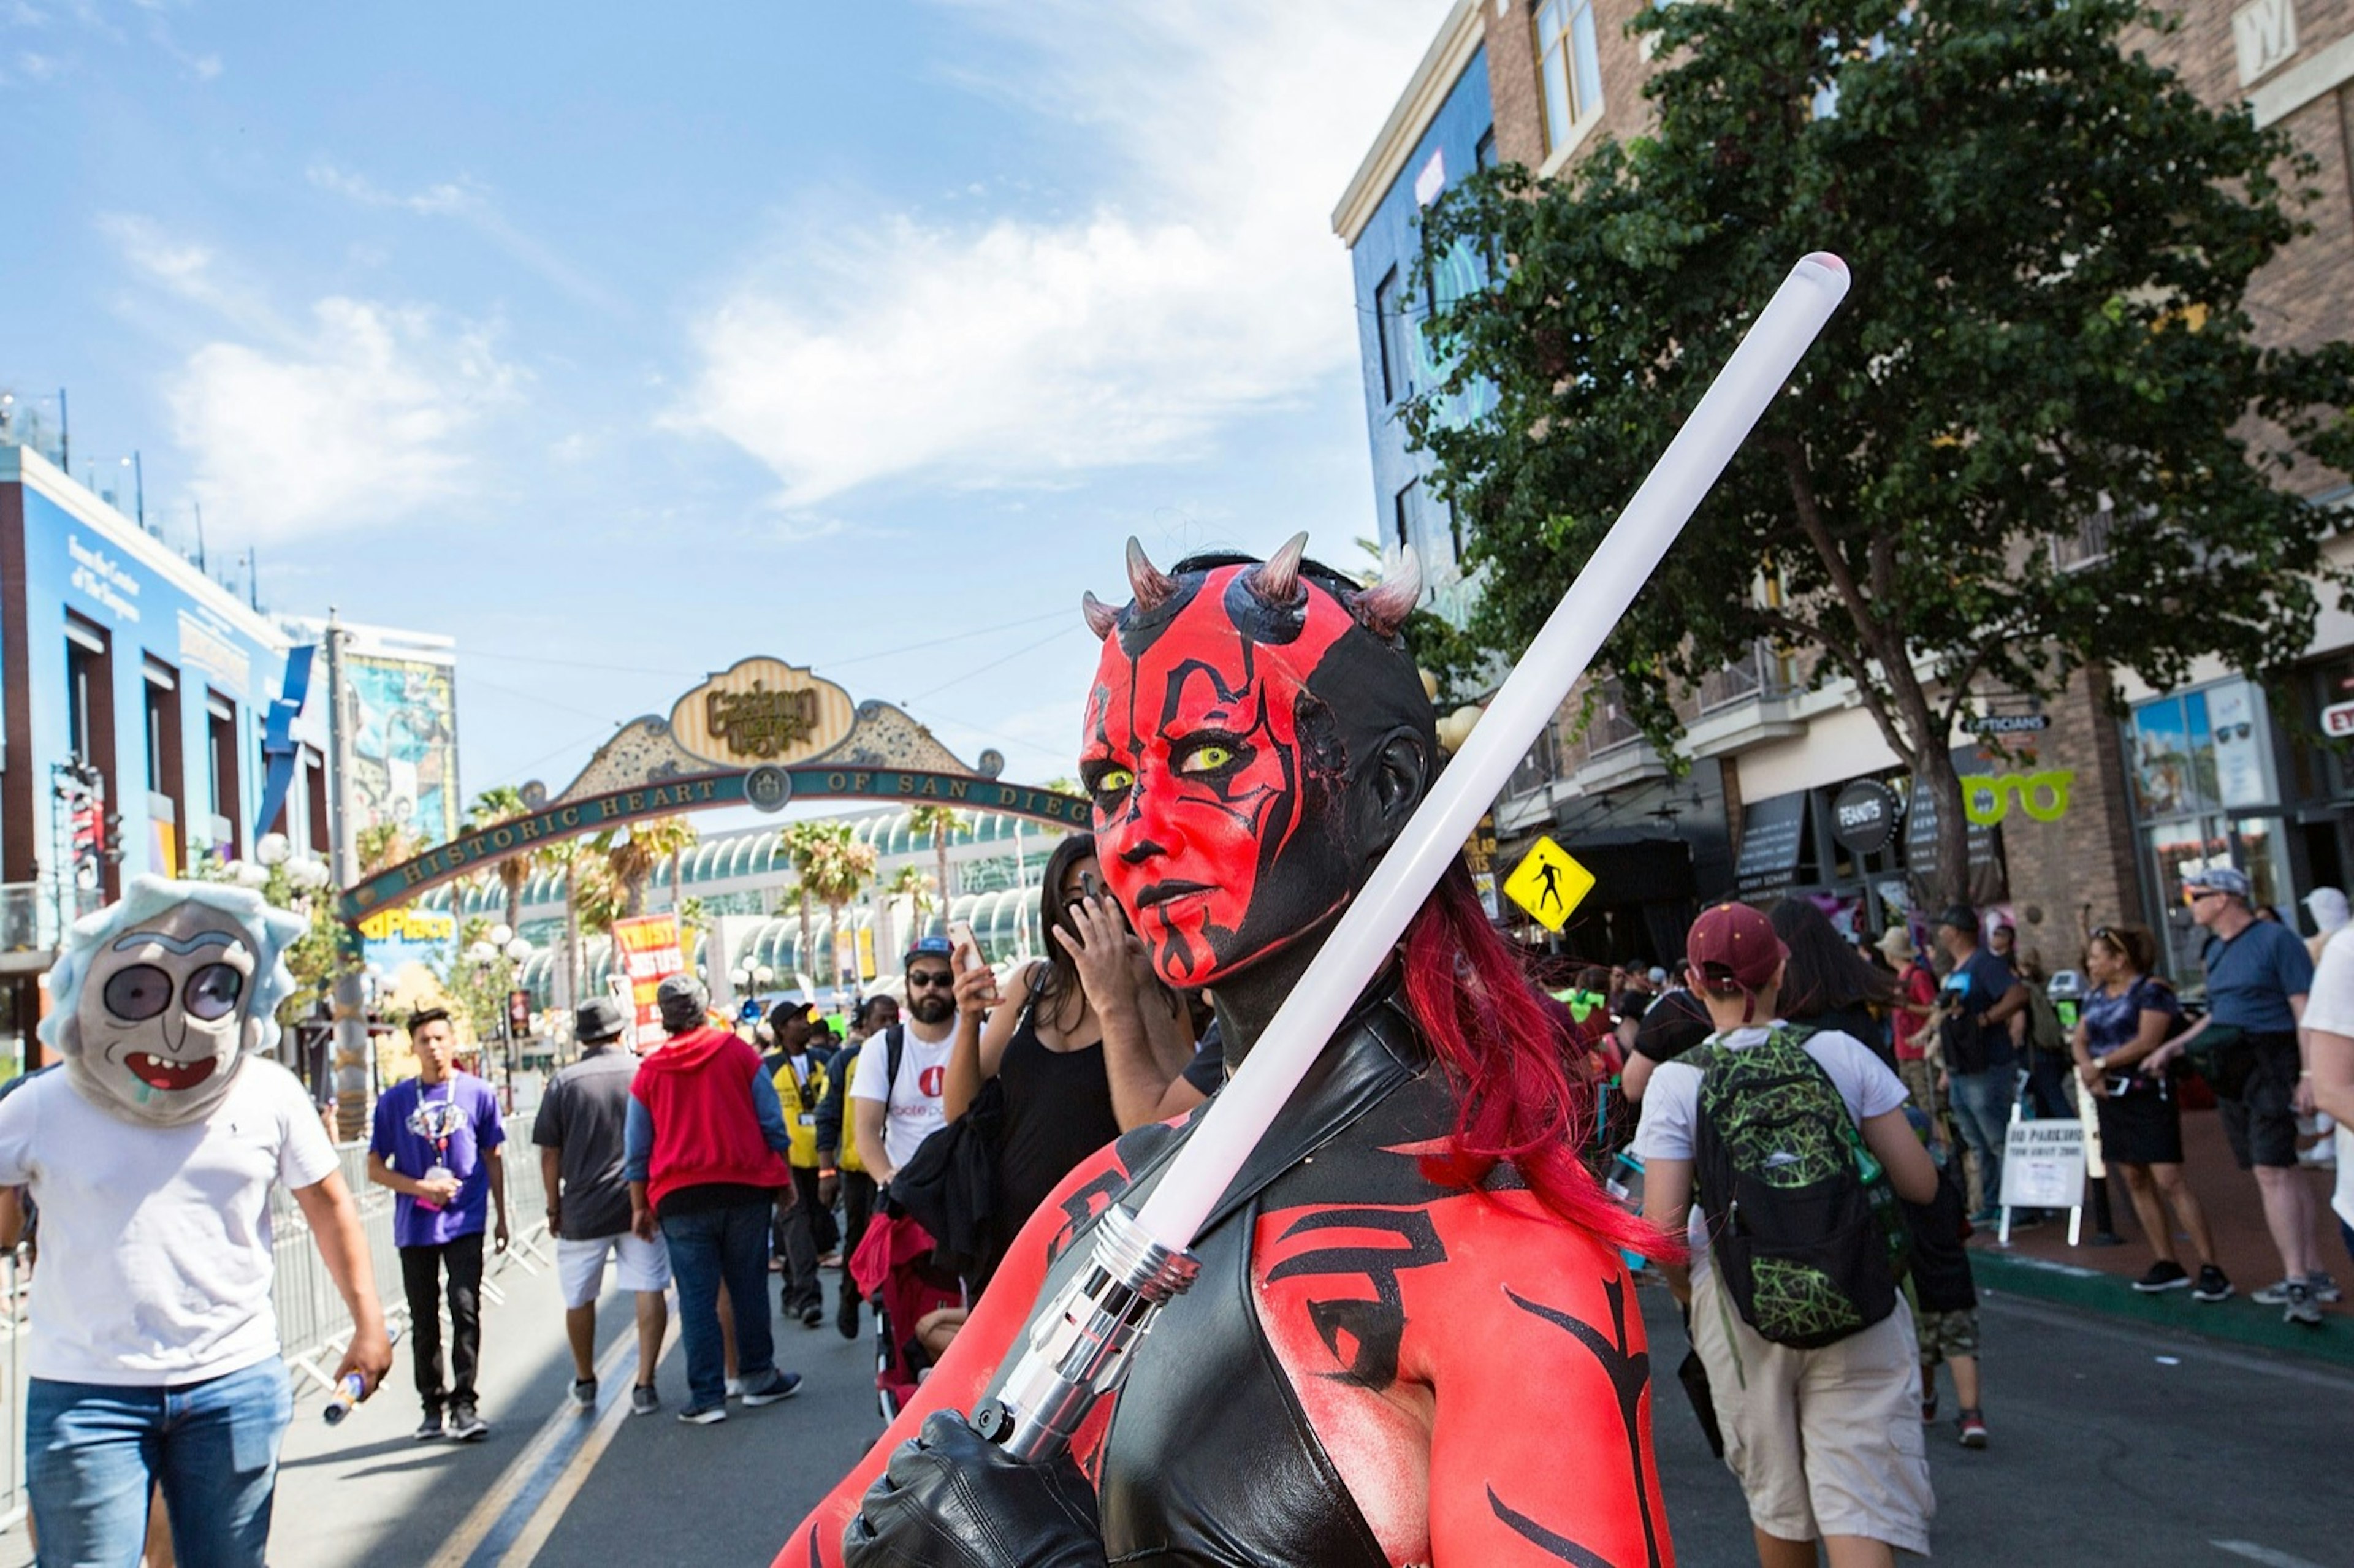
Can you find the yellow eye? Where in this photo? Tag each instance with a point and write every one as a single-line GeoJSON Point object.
{"type": "Point", "coordinates": [1112, 780]}
{"type": "Point", "coordinates": [1206, 759]}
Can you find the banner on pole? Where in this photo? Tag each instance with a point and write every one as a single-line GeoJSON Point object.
{"type": "Point", "coordinates": [646, 950]}
{"type": "Point", "coordinates": [2043, 1165]}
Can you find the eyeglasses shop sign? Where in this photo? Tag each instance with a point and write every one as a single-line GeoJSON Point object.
{"type": "Point", "coordinates": [1864, 816]}
{"type": "Point", "coordinates": [2338, 720]}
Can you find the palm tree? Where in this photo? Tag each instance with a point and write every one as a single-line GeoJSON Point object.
{"type": "Point", "coordinates": [939, 823]}
{"type": "Point", "coordinates": [503, 803]}
{"type": "Point", "coordinates": [383, 844]}
{"type": "Point", "coordinates": [837, 874]}
{"type": "Point", "coordinates": [916, 886]}
{"type": "Point", "coordinates": [805, 844]}
{"type": "Point", "coordinates": [634, 853]}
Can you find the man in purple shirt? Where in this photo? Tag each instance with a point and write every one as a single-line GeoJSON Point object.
{"type": "Point", "coordinates": [437, 1145]}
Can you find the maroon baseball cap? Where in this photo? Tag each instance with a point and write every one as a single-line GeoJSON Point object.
{"type": "Point", "coordinates": [1733, 948]}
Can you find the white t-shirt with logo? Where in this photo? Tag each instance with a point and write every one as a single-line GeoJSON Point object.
{"type": "Point", "coordinates": [155, 1261]}
{"type": "Point", "coordinates": [916, 1111]}
{"type": "Point", "coordinates": [2329, 1007]}
{"type": "Point", "coordinates": [1671, 1102]}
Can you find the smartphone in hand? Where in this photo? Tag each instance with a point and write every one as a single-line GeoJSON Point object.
{"type": "Point", "coordinates": [966, 950]}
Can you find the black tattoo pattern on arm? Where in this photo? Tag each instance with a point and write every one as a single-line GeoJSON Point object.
{"type": "Point", "coordinates": [1629, 1372]}
{"type": "Point", "coordinates": [1377, 1326]}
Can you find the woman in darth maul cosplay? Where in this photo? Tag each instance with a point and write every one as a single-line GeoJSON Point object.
{"type": "Point", "coordinates": [1413, 1338]}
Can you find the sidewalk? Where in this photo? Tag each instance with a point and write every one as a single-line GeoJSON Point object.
{"type": "Point", "coordinates": [2040, 1263]}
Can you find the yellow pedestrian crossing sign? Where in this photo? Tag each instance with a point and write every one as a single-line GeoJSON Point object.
{"type": "Point", "coordinates": [1549, 884]}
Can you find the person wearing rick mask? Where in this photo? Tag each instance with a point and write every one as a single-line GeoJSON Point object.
{"type": "Point", "coordinates": [154, 1355]}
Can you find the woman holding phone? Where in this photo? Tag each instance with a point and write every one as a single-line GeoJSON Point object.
{"type": "Point", "coordinates": [2128, 1014]}
{"type": "Point", "coordinates": [1042, 1043]}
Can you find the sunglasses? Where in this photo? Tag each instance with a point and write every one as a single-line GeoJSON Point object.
{"type": "Point", "coordinates": [939, 979]}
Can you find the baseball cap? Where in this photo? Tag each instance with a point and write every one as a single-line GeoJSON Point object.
{"type": "Point", "coordinates": [1733, 948]}
{"type": "Point", "coordinates": [786, 1012]}
{"type": "Point", "coordinates": [2221, 879]}
{"type": "Point", "coordinates": [927, 947]}
{"type": "Point", "coordinates": [596, 1019]}
{"type": "Point", "coordinates": [1961, 918]}
{"type": "Point", "coordinates": [681, 999]}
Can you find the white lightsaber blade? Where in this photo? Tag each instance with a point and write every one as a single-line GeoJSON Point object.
{"type": "Point", "coordinates": [1572, 634]}
{"type": "Point", "coordinates": [1081, 1341]}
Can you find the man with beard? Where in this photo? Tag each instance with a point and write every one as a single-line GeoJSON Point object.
{"type": "Point", "coordinates": [893, 1113]}
{"type": "Point", "coordinates": [1413, 1276]}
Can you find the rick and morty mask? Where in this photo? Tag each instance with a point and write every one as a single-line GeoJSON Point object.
{"type": "Point", "coordinates": [157, 998]}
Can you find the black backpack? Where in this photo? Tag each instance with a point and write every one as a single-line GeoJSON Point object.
{"type": "Point", "coordinates": [1804, 1229]}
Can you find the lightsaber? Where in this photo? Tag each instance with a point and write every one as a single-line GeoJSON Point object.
{"type": "Point", "coordinates": [1081, 1344]}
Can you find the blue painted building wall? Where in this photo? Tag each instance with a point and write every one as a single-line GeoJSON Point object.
{"type": "Point", "coordinates": [1459, 135]}
{"type": "Point", "coordinates": [81, 559]}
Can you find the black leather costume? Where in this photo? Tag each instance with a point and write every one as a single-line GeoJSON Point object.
{"type": "Point", "coordinates": [1209, 1457]}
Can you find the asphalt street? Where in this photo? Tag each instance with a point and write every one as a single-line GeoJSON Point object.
{"type": "Point", "coordinates": [2112, 1443]}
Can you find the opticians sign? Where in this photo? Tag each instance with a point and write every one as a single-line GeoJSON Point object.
{"type": "Point", "coordinates": [2338, 720]}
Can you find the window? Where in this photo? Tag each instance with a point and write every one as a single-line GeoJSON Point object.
{"type": "Point", "coordinates": [1483, 156]}
{"type": "Point", "coordinates": [220, 730]}
{"type": "Point", "coordinates": [1570, 64]}
{"type": "Point", "coordinates": [162, 729]}
{"type": "Point", "coordinates": [1390, 323]}
{"type": "Point", "coordinates": [1406, 515]}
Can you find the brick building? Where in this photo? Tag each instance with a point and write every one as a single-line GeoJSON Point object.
{"type": "Point", "coordinates": [2090, 818]}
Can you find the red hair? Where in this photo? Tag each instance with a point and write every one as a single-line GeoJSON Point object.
{"type": "Point", "coordinates": [1523, 1102]}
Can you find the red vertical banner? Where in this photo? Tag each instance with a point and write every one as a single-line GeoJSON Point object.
{"type": "Point", "coordinates": [646, 948]}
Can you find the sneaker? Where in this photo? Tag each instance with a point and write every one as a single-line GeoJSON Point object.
{"type": "Point", "coordinates": [2324, 1289]}
{"type": "Point", "coordinates": [584, 1393]}
{"type": "Point", "coordinates": [709, 1416]}
{"type": "Point", "coordinates": [2300, 1307]}
{"type": "Point", "coordinates": [465, 1425]}
{"type": "Point", "coordinates": [813, 1317]}
{"type": "Point", "coordinates": [776, 1386]}
{"type": "Point", "coordinates": [1974, 1430]}
{"type": "Point", "coordinates": [2214, 1284]}
{"type": "Point", "coordinates": [430, 1430]}
{"type": "Point", "coordinates": [2272, 1295]}
{"type": "Point", "coordinates": [2164, 1275]}
{"type": "Point", "coordinates": [643, 1400]}
{"type": "Point", "coordinates": [829, 1260]}
{"type": "Point", "coordinates": [845, 1316]}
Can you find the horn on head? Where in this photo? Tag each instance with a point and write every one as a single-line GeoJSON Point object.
{"type": "Point", "coordinates": [1102, 618]}
{"type": "Point", "coordinates": [1382, 609]}
{"type": "Point", "coordinates": [1152, 586]}
{"type": "Point", "coordinates": [1275, 581]}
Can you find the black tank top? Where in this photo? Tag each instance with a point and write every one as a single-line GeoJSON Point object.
{"type": "Point", "coordinates": [1057, 1112]}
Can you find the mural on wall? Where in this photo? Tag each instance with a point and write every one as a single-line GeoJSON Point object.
{"type": "Point", "coordinates": [405, 744]}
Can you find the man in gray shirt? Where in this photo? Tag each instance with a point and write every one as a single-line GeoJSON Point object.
{"type": "Point", "coordinates": [580, 1134]}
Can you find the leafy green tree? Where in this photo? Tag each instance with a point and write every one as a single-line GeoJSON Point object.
{"type": "Point", "coordinates": [914, 885]}
{"type": "Point", "coordinates": [839, 870]}
{"type": "Point", "coordinates": [938, 824]}
{"type": "Point", "coordinates": [2040, 435]}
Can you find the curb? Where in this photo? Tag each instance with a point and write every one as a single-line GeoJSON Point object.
{"type": "Point", "coordinates": [2237, 1321]}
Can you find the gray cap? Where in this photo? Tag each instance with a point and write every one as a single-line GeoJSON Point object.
{"type": "Point", "coordinates": [2221, 879]}
{"type": "Point", "coordinates": [684, 1002]}
{"type": "Point", "coordinates": [598, 1018]}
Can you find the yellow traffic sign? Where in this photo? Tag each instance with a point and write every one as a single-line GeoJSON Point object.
{"type": "Point", "coordinates": [1549, 884]}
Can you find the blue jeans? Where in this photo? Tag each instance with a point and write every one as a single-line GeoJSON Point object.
{"type": "Point", "coordinates": [707, 1248]}
{"type": "Point", "coordinates": [1981, 1105]}
{"type": "Point", "coordinates": [94, 1451]}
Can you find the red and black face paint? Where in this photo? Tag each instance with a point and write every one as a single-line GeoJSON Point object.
{"type": "Point", "coordinates": [1236, 715]}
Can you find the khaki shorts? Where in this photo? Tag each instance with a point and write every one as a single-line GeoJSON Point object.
{"type": "Point", "coordinates": [1825, 1442]}
{"type": "Point", "coordinates": [581, 1265]}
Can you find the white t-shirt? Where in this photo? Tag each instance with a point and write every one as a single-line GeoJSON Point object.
{"type": "Point", "coordinates": [155, 1262]}
{"type": "Point", "coordinates": [2329, 1007]}
{"type": "Point", "coordinates": [1671, 1103]}
{"type": "Point", "coordinates": [917, 1112]}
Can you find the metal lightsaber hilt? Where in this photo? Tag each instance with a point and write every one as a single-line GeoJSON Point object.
{"type": "Point", "coordinates": [1081, 1344]}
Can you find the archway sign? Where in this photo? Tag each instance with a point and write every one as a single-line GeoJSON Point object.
{"type": "Point", "coordinates": [763, 734]}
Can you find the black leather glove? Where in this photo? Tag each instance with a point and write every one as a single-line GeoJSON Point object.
{"type": "Point", "coordinates": [954, 1500]}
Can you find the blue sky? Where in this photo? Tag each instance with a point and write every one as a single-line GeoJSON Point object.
{"type": "Point", "coordinates": [619, 342]}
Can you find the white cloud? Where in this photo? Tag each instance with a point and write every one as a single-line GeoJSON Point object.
{"type": "Point", "coordinates": [468, 201]}
{"type": "Point", "coordinates": [356, 412]}
{"type": "Point", "coordinates": [365, 421]}
{"type": "Point", "coordinates": [1205, 288]}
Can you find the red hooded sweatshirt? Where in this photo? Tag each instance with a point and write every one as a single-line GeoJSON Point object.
{"type": "Point", "coordinates": [697, 1089]}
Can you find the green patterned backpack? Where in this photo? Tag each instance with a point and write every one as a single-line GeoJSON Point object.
{"type": "Point", "coordinates": [1800, 1217]}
